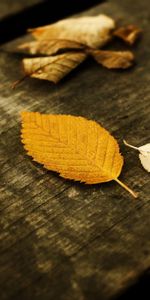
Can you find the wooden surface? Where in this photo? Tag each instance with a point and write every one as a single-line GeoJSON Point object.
{"type": "Point", "coordinates": [9, 7]}
{"type": "Point", "coordinates": [64, 240]}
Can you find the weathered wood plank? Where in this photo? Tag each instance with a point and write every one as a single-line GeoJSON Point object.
{"type": "Point", "coordinates": [64, 240]}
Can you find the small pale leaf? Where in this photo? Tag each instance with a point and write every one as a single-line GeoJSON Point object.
{"type": "Point", "coordinates": [145, 148]}
{"type": "Point", "coordinates": [93, 31]}
{"type": "Point", "coordinates": [75, 147]}
{"type": "Point", "coordinates": [145, 161]}
{"type": "Point", "coordinates": [144, 155]}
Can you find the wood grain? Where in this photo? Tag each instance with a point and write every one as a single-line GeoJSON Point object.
{"type": "Point", "coordinates": [59, 239]}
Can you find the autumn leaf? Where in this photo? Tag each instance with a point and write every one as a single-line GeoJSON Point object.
{"type": "Point", "coordinates": [144, 154]}
{"type": "Point", "coordinates": [51, 47]}
{"type": "Point", "coordinates": [113, 59]}
{"type": "Point", "coordinates": [128, 34]}
{"type": "Point", "coordinates": [53, 68]}
{"type": "Point", "coordinates": [75, 147]}
{"type": "Point", "coordinates": [66, 43]}
{"type": "Point", "coordinates": [93, 31]}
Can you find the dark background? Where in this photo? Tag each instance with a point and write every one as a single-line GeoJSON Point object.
{"type": "Point", "coordinates": [42, 13]}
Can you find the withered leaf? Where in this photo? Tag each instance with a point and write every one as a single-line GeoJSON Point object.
{"type": "Point", "coordinates": [75, 147]}
{"type": "Point", "coordinates": [66, 43]}
{"type": "Point", "coordinates": [144, 155]}
{"type": "Point", "coordinates": [93, 31]}
{"type": "Point", "coordinates": [51, 47]}
{"type": "Point", "coordinates": [128, 34]}
{"type": "Point", "coordinates": [53, 68]}
{"type": "Point", "coordinates": [113, 59]}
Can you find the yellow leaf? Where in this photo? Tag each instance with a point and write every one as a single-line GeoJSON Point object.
{"type": "Point", "coordinates": [93, 31]}
{"type": "Point", "coordinates": [75, 147]}
{"type": "Point", "coordinates": [53, 68]}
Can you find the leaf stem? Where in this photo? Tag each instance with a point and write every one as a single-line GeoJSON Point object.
{"type": "Point", "coordinates": [134, 194]}
{"type": "Point", "coordinates": [133, 147]}
{"type": "Point", "coordinates": [14, 84]}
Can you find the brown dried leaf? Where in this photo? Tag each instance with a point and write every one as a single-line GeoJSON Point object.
{"type": "Point", "coordinates": [53, 68]}
{"type": "Point", "coordinates": [113, 59]}
{"type": "Point", "coordinates": [76, 38]}
{"type": "Point", "coordinates": [51, 47]}
{"type": "Point", "coordinates": [128, 34]}
{"type": "Point", "coordinates": [93, 31]}
{"type": "Point", "coordinates": [74, 147]}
